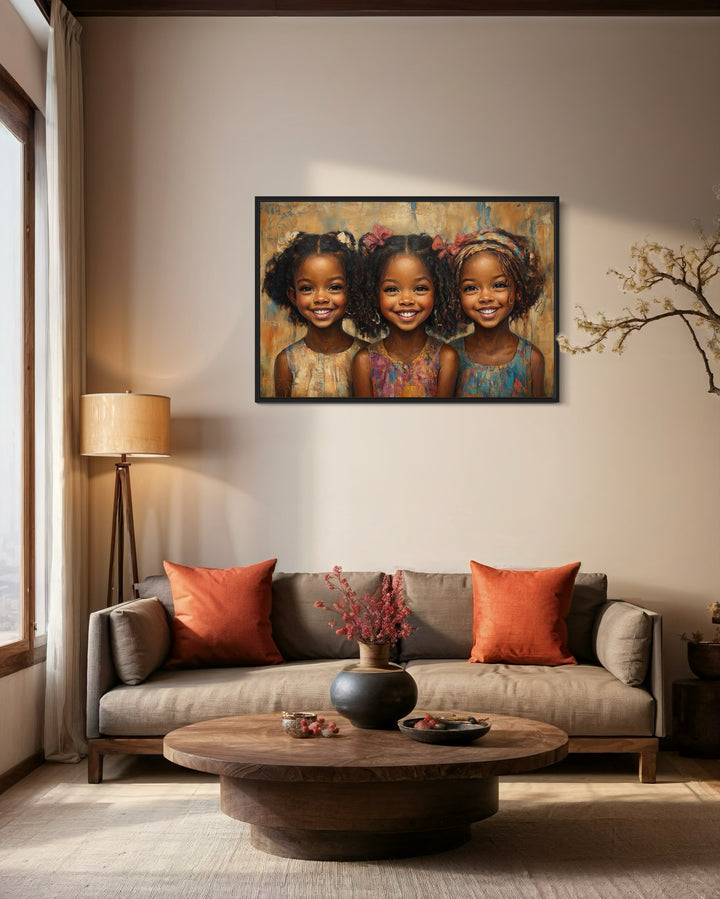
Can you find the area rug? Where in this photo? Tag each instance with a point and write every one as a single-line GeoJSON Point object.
{"type": "Point", "coordinates": [577, 831]}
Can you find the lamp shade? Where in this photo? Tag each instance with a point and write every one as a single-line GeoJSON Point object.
{"type": "Point", "coordinates": [124, 424]}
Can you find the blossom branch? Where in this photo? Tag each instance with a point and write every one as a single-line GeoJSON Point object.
{"type": "Point", "coordinates": [706, 361]}
{"type": "Point", "coordinates": [689, 269]}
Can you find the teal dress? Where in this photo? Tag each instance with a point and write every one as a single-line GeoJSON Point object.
{"type": "Point", "coordinates": [511, 379]}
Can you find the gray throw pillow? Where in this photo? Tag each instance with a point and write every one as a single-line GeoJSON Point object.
{"type": "Point", "coordinates": [441, 607]}
{"type": "Point", "coordinates": [299, 629]}
{"type": "Point", "coordinates": [589, 594]}
{"type": "Point", "coordinates": [140, 638]}
{"type": "Point", "coordinates": [157, 585]}
{"type": "Point", "coordinates": [622, 642]}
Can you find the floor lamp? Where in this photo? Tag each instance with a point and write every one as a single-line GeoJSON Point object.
{"type": "Point", "coordinates": [123, 424]}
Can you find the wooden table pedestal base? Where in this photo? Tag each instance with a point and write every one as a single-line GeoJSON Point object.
{"type": "Point", "coordinates": [361, 821]}
{"type": "Point", "coordinates": [354, 846]}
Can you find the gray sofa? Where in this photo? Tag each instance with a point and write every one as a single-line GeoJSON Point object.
{"type": "Point", "coordinates": [611, 701]}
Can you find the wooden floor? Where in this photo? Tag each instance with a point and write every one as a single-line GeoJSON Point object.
{"type": "Point", "coordinates": [706, 771]}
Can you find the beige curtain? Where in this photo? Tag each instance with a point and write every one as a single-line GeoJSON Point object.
{"type": "Point", "coordinates": [65, 523]}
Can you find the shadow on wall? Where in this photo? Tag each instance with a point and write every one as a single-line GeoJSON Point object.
{"type": "Point", "coordinates": [210, 437]}
{"type": "Point", "coordinates": [215, 507]}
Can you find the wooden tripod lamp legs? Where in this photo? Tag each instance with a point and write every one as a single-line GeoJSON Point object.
{"type": "Point", "coordinates": [122, 520]}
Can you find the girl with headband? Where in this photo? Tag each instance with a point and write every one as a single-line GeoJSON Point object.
{"type": "Point", "coordinates": [497, 279]}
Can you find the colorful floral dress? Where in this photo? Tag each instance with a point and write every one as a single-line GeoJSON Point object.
{"type": "Point", "coordinates": [419, 377]}
{"type": "Point", "coordinates": [321, 374]}
{"type": "Point", "coordinates": [511, 379]}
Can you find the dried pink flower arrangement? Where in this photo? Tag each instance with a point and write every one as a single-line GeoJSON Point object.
{"type": "Point", "coordinates": [370, 618]}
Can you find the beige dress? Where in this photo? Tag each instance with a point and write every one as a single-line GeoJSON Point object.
{"type": "Point", "coordinates": [321, 374]}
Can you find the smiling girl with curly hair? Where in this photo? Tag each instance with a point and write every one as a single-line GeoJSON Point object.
{"type": "Point", "coordinates": [315, 277]}
{"type": "Point", "coordinates": [497, 279]}
{"type": "Point", "coordinates": [405, 290]}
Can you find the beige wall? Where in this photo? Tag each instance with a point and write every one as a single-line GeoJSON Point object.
{"type": "Point", "coordinates": [22, 701]}
{"type": "Point", "coordinates": [189, 119]}
{"type": "Point", "coordinates": [20, 53]}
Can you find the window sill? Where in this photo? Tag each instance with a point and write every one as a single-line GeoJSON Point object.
{"type": "Point", "coordinates": [16, 660]}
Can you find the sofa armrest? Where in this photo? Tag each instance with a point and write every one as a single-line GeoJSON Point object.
{"type": "Point", "coordinates": [101, 673]}
{"type": "Point", "coordinates": [653, 681]}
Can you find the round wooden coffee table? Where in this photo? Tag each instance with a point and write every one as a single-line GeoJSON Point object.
{"type": "Point", "coordinates": [364, 794]}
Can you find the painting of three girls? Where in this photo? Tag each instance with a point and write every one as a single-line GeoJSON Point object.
{"type": "Point", "coordinates": [409, 313]}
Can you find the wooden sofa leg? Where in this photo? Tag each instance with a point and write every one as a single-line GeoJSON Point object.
{"type": "Point", "coordinates": [95, 763]}
{"type": "Point", "coordinates": [646, 747]}
{"type": "Point", "coordinates": [98, 747]}
{"type": "Point", "coordinates": [648, 766]}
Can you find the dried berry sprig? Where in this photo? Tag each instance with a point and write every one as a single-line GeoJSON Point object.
{"type": "Point", "coordinates": [319, 728]}
{"type": "Point", "coordinates": [371, 618]}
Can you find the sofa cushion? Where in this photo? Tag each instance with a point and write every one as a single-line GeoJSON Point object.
{"type": "Point", "coordinates": [441, 607]}
{"type": "Point", "coordinates": [623, 642]}
{"type": "Point", "coordinates": [519, 616]}
{"type": "Point", "coordinates": [582, 700]}
{"type": "Point", "coordinates": [157, 585]}
{"type": "Point", "coordinates": [222, 616]}
{"type": "Point", "coordinates": [140, 638]}
{"type": "Point", "coordinates": [174, 698]}
{"type": "Point", "coordinates": [302, 631]}
{"type": "Point", "coordinates": [589, 594]}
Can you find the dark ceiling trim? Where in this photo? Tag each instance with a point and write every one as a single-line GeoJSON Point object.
{"type": "Point", "coordinates": [396, 8]}
{"type": "Point", "coordinates": [44, 7]}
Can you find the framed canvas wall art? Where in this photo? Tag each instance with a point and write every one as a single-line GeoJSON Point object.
{"type": "Point", "coordinates": [406, 299]}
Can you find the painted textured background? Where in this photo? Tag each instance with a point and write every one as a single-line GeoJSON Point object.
{"type": "Point", "coordinates": [534, 219]}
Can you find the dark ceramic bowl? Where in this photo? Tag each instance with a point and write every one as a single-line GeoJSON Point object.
{"type": "Point", "coordinates": [454, 733]}
{"type": "Point", "coordinates": [704, 660]}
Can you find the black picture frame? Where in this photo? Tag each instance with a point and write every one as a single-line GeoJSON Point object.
{"type": "Point", "coordinates": [279, 218]}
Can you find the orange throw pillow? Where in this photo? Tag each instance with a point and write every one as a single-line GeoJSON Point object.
{"type": "Point", "coordinates": [222, 616]}
{"type": "Point", "coordinates": [519, 616]}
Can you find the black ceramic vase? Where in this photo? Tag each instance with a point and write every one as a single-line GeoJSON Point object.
{"type": "Point", "coordinates": [373, 693]}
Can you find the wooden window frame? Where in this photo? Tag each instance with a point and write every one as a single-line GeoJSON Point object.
{"type": "Point", "coordinates": [17, 114]}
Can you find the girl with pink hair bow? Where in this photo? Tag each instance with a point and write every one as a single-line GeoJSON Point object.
{"type": "Point", "coordinates": [406, 289]}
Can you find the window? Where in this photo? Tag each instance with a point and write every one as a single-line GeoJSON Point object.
{"type": "Point", "coordinates": [17, 433]}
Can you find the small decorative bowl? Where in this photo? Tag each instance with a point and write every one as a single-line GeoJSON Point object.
{"type": "Point", "coordinates": [449, 733]}
{"type": "Point", "coordinates": [292, 723]}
